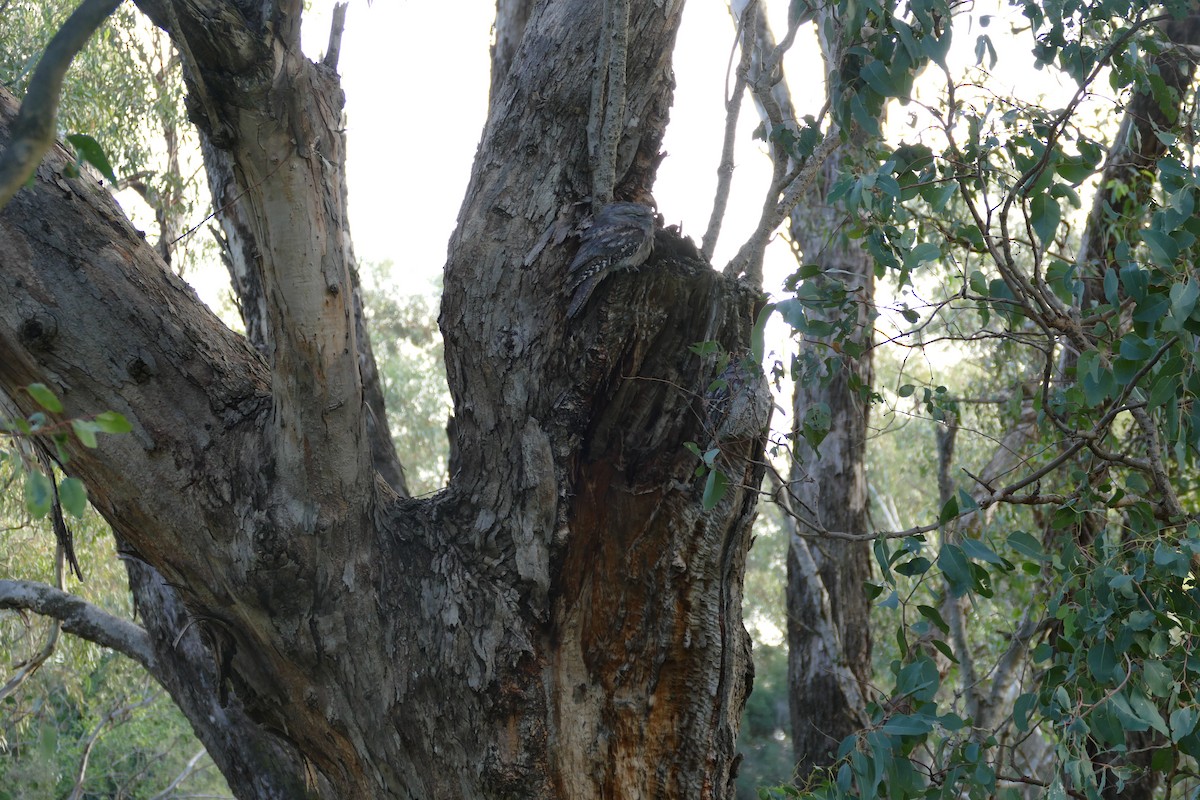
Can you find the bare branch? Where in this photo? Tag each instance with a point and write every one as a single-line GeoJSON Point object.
{"type": "Point", "coordinates": [188, 769]}
{"type": "Point", "coordinates": [117, 716]}
{"type": "Point", "coordinates": [80, 618]}
{"type": "Point", "coordinates": [733, 107]}
{"type": "Point", "coordinates": [607, 120]}
{"type": "Point", "coordinates": [749, 259]}
{"type": "Point", "coordinates": [34, 129]}
{"type": "Point", "coordinates": [30, 666]}
{"type": "Point", "coordinates": [334, 50]}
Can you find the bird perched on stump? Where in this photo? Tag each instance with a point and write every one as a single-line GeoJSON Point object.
{"type": "Point", "coordinates": [621, 236]}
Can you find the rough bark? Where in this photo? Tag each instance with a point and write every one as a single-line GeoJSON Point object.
{"type": "Point", "coordinates": [564, 619]}
{"type": "Point", "coordinates": [829, 644]}
{"type": "Point", "coordinates": [254, 762]}
{"type": "Point", "coordinates": [827, 689]}
{"type": "Point", "coordinates": [511, 18]}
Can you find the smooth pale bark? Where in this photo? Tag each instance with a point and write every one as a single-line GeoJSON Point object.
{"type": "Point", "coordinates": [564, 620]}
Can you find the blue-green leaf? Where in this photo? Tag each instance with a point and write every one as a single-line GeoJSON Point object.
{"type": "Point", "coordinates": [1022, 708]}
{"type": "Point", "coordinates": [86, 431]}
{"type": "Point", "coordinates": [925, 251]}
{"type": "Point", "coordinates": [39, 494]}
{"type": "Point", "coordinates": [44, 397]}
{"type": "Point", "coordinates": [89, 150]}
{"type": "Point", "coordinates": [1147, 712]}
{"type": "Point", "coordinates": [112, 422]}
{"type": "Point", "coordinates": [1163, 249]}
{"type": "Point", "coordinates": [956, 568]}
{"type": "Point", "coordinates": [949, 511]}
{"type": "Point", "coordinates": [1183, 722]}
{"type": "Point", "coordinates": [977, 550]}
{"type": "Point", "coordinates": [73, 496]}
{"type": "Point", "coordinates": [714, 489]}
{"type": "Point", "coordinates": [908, 725]}
{"type": "Point", "coordinates": [1045, 216]}
{"type": "Point", "coordinates": [817, 421]}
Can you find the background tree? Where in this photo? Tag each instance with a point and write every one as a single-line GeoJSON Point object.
{"type": "Point", "coordinates": [1100, 389]}
{"type": "Point", "coordinates": [832, 314]}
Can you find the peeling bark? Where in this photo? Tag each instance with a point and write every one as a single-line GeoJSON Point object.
{"type": "Point", "coordinates": [564, 619]}
{"type": "Point", "coordinates": [829, 686]}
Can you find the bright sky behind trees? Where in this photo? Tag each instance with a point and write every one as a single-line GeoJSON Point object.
{"type": "Point", "coordinates": [416, 82]}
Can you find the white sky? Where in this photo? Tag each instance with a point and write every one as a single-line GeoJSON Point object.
{"type": "Point", "coordinates": [416, 81]}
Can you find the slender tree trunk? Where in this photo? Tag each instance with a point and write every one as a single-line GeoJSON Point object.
{"type": "Point", "coordinates": [829, 640]}
{"type": "Point", "coordinates": [828, 689]}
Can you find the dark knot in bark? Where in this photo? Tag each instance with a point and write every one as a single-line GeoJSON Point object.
{"type": "Point", "coordinates": [39, 330]}
{"type": "Point", "coordinates": [142, 367]}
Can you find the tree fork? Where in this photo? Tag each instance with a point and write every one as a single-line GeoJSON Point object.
{"type": "Point", "coordinates": [562, 620]}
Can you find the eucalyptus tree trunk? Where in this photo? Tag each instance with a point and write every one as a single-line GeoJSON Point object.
{"type": "Point", "coordinates": [828, 675]}
{"type": "Point", "coordinates": [828, 625]}
{"type": "Point", "coordinates": [564, 619]}
{"type": "Point", "coordinates": [828, 633]}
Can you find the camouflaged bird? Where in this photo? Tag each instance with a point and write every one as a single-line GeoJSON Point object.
{"type": "Point", "coordinates": [621, 236]}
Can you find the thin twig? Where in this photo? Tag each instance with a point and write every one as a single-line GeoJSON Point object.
{"type": "Point", "coordinates": [749, 258]}
{"type": "Point", "coordinates": [733, 107]}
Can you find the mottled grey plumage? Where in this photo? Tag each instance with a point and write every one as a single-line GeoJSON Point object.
{"type": "Point", "coordinates": [738, 401]}
{"type": "Point", "coordinates": [621, 236]}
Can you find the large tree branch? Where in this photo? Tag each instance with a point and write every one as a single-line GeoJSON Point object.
{"type": "Point", "coordinates": [80, 618]}
{"type": "Point", "coordinates": [511, 18]}
{"type": "Point", "coordinates": [279, 124]}
{"type": "Point", "coordinates": [92, 312]}
{"type": "Point", "coordinates": [606, 122]}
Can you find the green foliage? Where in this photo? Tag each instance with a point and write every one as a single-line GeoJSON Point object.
{"type": "Point", "coordinates": [19, 438]}
{"type": "Point", "coordinates": [89, 150]}
{"type": "Point", "coordinates": [1046, 600]}
{"type": "Point", "coordinates": [123, 108]}
{"type": "Point", "coordinates": [408, 350]}
{"type": "Point", "coordinates": [79, 699]}
{"type": "Point", "coordinates": [78, 694]}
